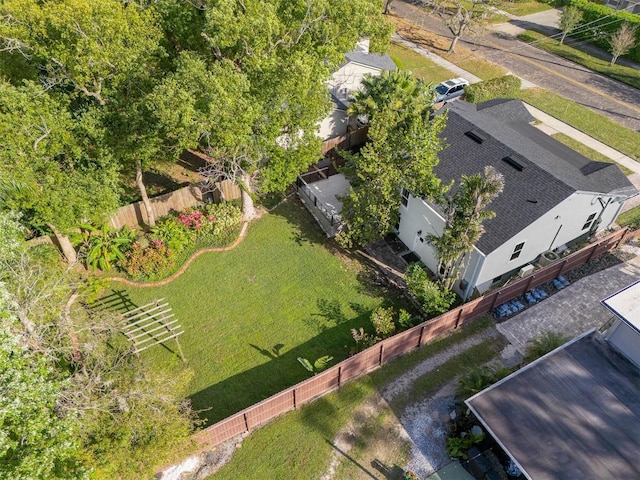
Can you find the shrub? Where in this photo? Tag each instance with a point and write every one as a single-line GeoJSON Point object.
{"type": "Point", "coordinates": [433, 298]}
{"type": "Point", "coordinates": [405, 319]}
{"type": "Point", "coordinates": [501, 87]}
{"type": "Point", "coordinates": [382, 320]}
{"type": "Point", "coordinates": [597, 25]}
{"type": "Point", "coordinates": [173, 232]}
{"type": "Point", "coordinates": [223, 217]}
{"type": "Point", "coordinates": [148, 261]}
{"type": "Point", "coordinates": [479, 378]}
{"type": "Point", "coordinates": [363, 340]}
{"type": "Point", "coordinates": [542, 345]}
{"type": "Point", "coordinates": [457, 446]}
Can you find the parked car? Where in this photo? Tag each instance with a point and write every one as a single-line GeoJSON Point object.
{"type": "Point", "coordinates": [450, 89]}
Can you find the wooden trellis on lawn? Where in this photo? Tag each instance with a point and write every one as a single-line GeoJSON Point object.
{"type": "Point", "coordinates": [152, 324]}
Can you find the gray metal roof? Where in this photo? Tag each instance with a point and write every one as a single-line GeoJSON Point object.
{"type": "Point", "coordinates": [376, 60]}
{"type": "Point", "coordinates": [574, 413]}
{"type": "Point", "coordinates": [551, 172]}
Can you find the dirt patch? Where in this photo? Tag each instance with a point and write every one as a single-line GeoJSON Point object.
{"type": "Point", "coordinates": [373, 445]}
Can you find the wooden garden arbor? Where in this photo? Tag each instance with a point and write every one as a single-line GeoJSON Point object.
{"type": "Point", "coordinates": [152, 324]}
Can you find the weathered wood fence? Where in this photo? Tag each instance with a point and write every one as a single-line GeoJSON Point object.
{"type": "Point", "coordinates": [135, 214]}
{"type": "Point", "coordinates": [345, 142]}
{"type": "Point", "coordinates": [390, 348]}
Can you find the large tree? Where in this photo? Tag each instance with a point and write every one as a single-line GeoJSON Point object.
{"type": "Point", "coordinates": [101, 57]}
{"type": "Point", "coordinates": [401, 152]}
{"type": "Point", "coordinates": [464, 212]}
{"type": "Point", "coordinates": [73, 393]}
{"type": "Point", "coordinates": [284, 51]}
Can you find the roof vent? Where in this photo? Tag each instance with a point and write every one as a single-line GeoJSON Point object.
{"type": "Point", "coordinates": [514, 161]}
{"type": "Point", "coordinates": [476, 135]}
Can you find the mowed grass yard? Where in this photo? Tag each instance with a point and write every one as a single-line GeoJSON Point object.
{"type": "Point", "coordinates": [248, 313]}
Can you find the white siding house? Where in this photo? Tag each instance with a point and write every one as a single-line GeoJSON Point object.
{"type": "Point", "coordinates": [347, 80]}
{"type": "Point", "coordinates": [552, 195]}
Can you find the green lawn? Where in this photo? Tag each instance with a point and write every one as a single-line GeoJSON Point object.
{"type": "Point", "coordinates": [520, 9]}
{"type": "Point", "coordinates": [601, 128]}
{"type": "Point", "coordinates": [587, 151]}
{"type": "Point", "coordinates": [298, 444]}
{"type": "Point", "coordinates": [420, 66]}
{"type": "Point", "coordinates": [248, 313]}
{"type": "Point", "coordinates": [630, 218]}
{"type": "Point", "coordinates": [623, 74]}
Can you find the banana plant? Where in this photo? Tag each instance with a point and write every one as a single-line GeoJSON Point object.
{"type": "Point", "coordinates": [319, 365]}
{"type": "Point", "coordinates": [104, 245]}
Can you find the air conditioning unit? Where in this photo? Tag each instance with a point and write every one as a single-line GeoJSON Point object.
{"type": "Point", "coordinates": [526, 270]}
{"type": "Point", "coordinates": [547, 258]}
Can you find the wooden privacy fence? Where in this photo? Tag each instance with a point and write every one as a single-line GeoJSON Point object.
{"type": "Point", "coordinates": [390, 348]}
{"type": "Point", "coordinates": [135, 214]}
{"type": "Point", "coordinates": [345, 142]}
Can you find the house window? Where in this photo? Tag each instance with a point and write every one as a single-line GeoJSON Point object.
{"type": "Point", "coordinates": [404, 196]}
{"type": "Point", "coordinates": [589, 221]}
{"type": "Point", "coordinates": [517, 251]}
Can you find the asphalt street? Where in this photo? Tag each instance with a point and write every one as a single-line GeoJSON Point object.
{"type": "Point", "coordinates": [606, 96]}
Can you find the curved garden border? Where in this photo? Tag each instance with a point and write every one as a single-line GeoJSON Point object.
{"type": "Point", "coordinates": [184, 267]}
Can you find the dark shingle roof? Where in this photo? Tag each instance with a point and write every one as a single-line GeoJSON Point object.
{"type": "Point", "coordinates": [572, 414]}
{"type": "Point", "coordinates": [383, 62]}
{"type": "Point", "coordinates": [551, 172]}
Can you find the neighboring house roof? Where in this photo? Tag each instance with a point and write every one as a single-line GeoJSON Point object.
{"type": "Point", "coordinates": [375, 60]}
{"type": "Point", "coordinates": [541, 174]}
{"type": "Point", "coordinates": [625, 305]}
{"type": "Point", "coordinates": [574, 413]}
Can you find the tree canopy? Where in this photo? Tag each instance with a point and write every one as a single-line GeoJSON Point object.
{"type": "Point", "coordinates": [401, 151]}
{"type": "Point", "coordinates": [74, 398]}
{"type": "Point", "coordinates": [133, 83]}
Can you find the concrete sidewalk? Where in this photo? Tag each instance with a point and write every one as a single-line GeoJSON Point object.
{"type": "Point", "coordinates": [548, 123]}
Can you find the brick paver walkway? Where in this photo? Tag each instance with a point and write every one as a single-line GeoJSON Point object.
{"type": "Point", "coordinates": [573, 310]}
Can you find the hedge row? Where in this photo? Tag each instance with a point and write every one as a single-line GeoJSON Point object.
{"type": "Point", "coordinates": [598, 32]}
{"type": "Point", "coordinates": [501, 87]}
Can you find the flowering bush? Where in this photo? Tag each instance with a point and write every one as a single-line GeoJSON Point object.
{"type": "Point", "coordinates": [148, 261]}
{"type": "Point", "coordinates": [174, 233]}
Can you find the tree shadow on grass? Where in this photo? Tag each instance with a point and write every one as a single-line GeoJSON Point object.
{"type": "Point", "coordinates": [233, 394]}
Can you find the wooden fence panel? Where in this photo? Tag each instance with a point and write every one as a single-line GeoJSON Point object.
{"type": "Point", "coordinates": [135, 214]}
{"type": "Point", "coordinates": [401, 343]}
{"type": "Point", "coordinates": [223, 430]}
{"type": "Point", "coordinates": [270, 408]}
{"type": "Point", "coordinates": [225, 191]}
{"type": "Point", "coordinates": [361, 363]}
{"type": "Point", "coordinates": [317, 385]}
{"type": "Point", "coordinates": [439, 325]}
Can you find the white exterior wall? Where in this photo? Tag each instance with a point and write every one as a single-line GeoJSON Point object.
{"type": "Point", "coordinates": [626, 340]}
{"type": "Point", "coordinates": [349, 79]}
{"type": "Point", "coordinates": [416, 217]}
{"type": "Point", "coordinates": [564, 223]}
{"type": "Point", "coordinates": [557, 227]}
{"type": "Point", "coordinates": [334, 125]}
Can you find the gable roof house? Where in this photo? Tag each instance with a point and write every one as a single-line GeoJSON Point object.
{"type": "Point", "coordinates": [348, 79]}
{"type": "Point", "coordinates": [552, 195]}
{"type": "Point", "coordinates": [575, 412]}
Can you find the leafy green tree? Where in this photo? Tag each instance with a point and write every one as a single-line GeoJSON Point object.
{"type": "Point", "coordinates": [464, 213]}
{"type": "Point", "coordinates": [570, 17]}
{"type": "Point", "coordinates": [36, 441]}
{"type": "Point", "coordinates": [61, 182]}
{"type": "Point", "coordinates": [263, 39]}
{"type": "Point", "coordinates": [400, 153]}
{"type": "Point", "coordinates": [90, 405]}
